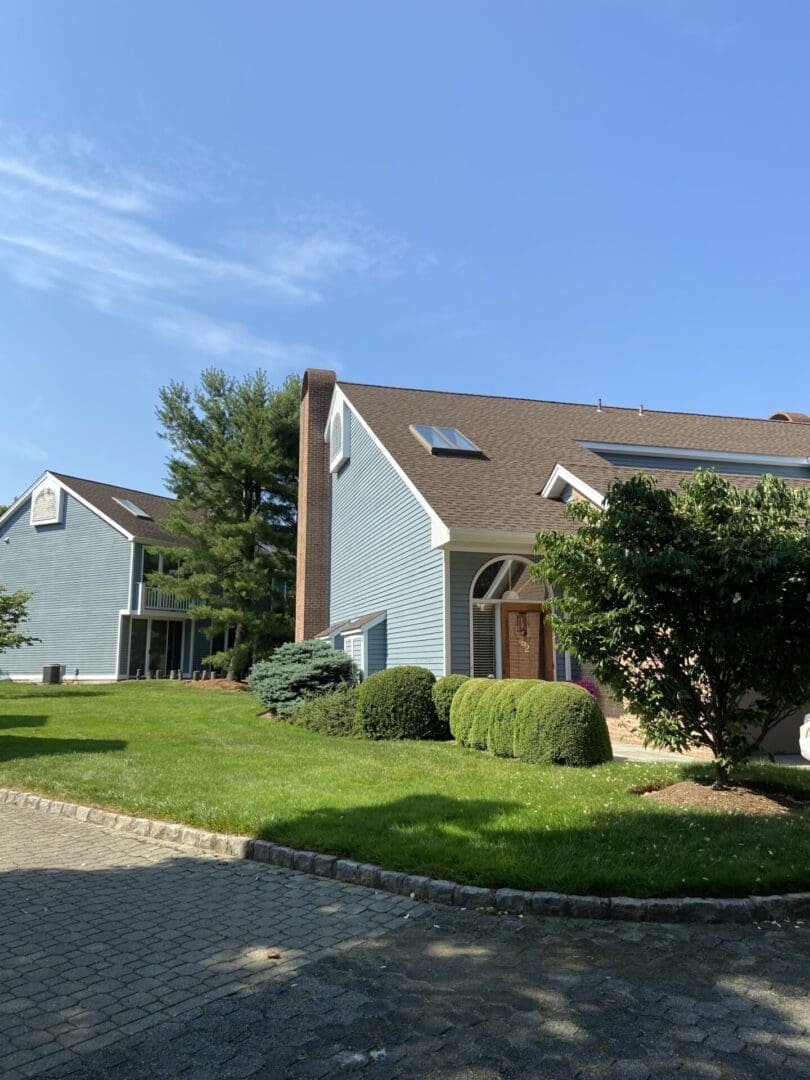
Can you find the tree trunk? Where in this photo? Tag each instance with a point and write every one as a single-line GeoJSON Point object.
{"type": "Point", "coordinates": [238, 635]}
{"type": "Point", "coordinates": [720, 774]}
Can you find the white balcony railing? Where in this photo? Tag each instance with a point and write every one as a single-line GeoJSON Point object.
{"type": "Point", "coordinates": [154, 600]}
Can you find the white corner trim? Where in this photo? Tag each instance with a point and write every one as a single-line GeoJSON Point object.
{"type": "Point", "coordinates": [436, 523]}
{"type": "Point", "coordinates": [561, 478]}
{"type": "Point", "coordinates": [690, 454]}
{"type": "Point", "coordinates": [447, 626]}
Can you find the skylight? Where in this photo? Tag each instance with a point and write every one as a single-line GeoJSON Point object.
{"type": "Point", "coordinates": [133, 509]}
{"type": "Point", "coordinates": [445, 440]}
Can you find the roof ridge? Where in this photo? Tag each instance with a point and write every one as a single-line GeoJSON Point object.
{"type": "Point", "coordinates": [572, 404]}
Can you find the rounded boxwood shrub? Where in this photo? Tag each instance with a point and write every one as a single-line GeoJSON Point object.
{"type": "Point", "coordinates": [332, 713]}
{"type": "Point", "coordinates": [483, 714]}
{"type": "Point", "coordinates": [462, 709]}
{"type": "Point", "coordinates": [444, 690]}
{"type": "Point", "coordinates": [297, 671]}
{"type": "Point", "coordinates": [398, 704]}
{"type": "Point", "coordinates": [500, 736]}
{"type": "Point", "coordinates": [560, 724]}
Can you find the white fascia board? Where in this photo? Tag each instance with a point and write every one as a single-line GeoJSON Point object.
{"type": "Point", "coordinates": [15, 506]}
{"type": "Point", "coordinates": [690, 454]}
{"type": "Point", "coordinates": [437, 526]}
{"type": "Point", "coordinates": [562, 478]}
{"type": "Point", "coordinates": [92, 508]}
{"type": "Point", "coordinates": [495, 541]}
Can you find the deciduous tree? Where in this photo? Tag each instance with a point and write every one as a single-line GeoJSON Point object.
{"type": "Point", "coordinates": [14, 612]}
{"type": "Point", "coordinates": [693, 605]}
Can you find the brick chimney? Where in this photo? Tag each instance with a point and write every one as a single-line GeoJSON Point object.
{"type": "Point", "coordinates": [314, 483]}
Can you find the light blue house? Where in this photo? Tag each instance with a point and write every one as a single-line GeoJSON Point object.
{"type": "Point", "coordinates": [81, 548]}
{"type": "Point", "coordinates": [418, 513]}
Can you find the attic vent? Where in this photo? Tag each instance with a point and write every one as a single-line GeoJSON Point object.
{"type": "Point", "coordinates": [445, 441]}
{"type": "Point", "coordinates": [133, 509]}
{"type": "Point", "coordinates": [791, 417]}
{"type": "Point", "coordinates": [339, 436]}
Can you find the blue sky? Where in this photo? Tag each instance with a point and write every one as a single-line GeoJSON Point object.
{"type": "Point", "coordinates": [562, 200]}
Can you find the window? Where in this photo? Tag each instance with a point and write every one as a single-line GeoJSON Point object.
{"type": "Point", "coordinates": [133, 509]}
{"type": "Point", "coordinates": [505, 581]}
{"type": "Point", "coordinates": [445, 440]}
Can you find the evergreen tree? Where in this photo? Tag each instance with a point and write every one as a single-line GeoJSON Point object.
{"type": "Point", "coordinates": [234, 472]}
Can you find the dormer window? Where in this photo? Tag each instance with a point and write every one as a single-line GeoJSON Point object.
{"type": "Point", "coordinates": [445, 441]}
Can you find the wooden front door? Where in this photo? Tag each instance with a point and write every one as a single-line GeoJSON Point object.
{"type": "Point", "coordinates": [524, 642]}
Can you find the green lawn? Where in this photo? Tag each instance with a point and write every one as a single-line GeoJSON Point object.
{"type": "Point", "coordinates": [204, 757]}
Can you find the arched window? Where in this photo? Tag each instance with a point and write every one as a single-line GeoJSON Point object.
{"type": "Point", "coordinates": [507, 635]}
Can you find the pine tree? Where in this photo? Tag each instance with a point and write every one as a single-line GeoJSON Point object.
{"type": "Point", "coordinates": [234, 472]}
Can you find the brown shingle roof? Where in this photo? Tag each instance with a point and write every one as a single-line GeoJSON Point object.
{"type": "Point", "coordinates": [524, 439]}
{"type": "Point", "coordinates": [103, 496]}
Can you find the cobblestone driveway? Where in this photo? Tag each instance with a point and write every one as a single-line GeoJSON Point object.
{"type": "Point", "coordinates": [127, 958]}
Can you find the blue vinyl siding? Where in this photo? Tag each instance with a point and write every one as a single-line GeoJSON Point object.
{"type": "Point", "coordinates": [381, 558]}
{"type": "Point", "coordinates": [79, 572]}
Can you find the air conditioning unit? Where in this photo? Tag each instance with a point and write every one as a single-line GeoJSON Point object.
{"type": "Point", "coordinates": [52, 674]}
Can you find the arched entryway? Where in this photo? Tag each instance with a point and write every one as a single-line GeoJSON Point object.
{"type": "Point", "coordinates": [509, 637]}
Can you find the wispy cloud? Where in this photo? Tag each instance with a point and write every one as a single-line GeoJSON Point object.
{"type": "Point", "coordinates": [69, 221]}
{"type": "Point", "coordinates": [23, 448]}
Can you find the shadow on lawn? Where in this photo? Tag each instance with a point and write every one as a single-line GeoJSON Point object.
{"type": "Point", "coordinates": [17, 747]}
{"type": "Point", "coordinates": [454, 994]}
{"type": "Point", "coordinates": [648, 849]}
{"type": "Point", "coordinates": [22, 721]}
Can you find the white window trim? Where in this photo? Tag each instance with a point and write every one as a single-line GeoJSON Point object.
{"type": "Point", "coordinates": [497, 604]}
{"type": "Point", "coordinates": [340, 455]}
{"type": "Point", "coordinates": [54, 485]}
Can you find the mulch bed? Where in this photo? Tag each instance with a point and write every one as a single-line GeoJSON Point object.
{"type": "Point", "coordinates": [737, 799]}
{"type": "Point", "coordinates": [217, 684]}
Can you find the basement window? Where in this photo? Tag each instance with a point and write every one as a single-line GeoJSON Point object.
{"type": "Point", "coordinates": [445, 441]}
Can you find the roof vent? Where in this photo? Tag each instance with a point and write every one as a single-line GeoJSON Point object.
{"type": "Point", "coordinates": [791, 417]}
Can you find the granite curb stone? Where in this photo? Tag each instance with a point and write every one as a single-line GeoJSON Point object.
{"type": "Point", "coordinates": [691, 909]}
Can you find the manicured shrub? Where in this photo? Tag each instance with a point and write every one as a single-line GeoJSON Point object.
{"type": "Point", "coordinates": [332, 713]}
{"type": "Point", "coordinates": [444, 690]}
{"type": "Point", "coordinates": [560, 724]}
{"type": "Point", "coordinates": [463, 707]}
{"type": "Point", "coordinates": [483, 714]}
{"type": "Point", "coordinates": [297, 671]}
{"type": "Point", "coordinates": [398, 704]}
{"type": "Point", "coordinates": [500, 736]}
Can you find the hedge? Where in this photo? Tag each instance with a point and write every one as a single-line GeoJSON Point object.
{"type": "Point", "coordinates": [398, 704]}
{"type": "Point", "coordinates": [444, 690]}
{"type": "Point", "coordinates": [500, 736]}
{"type": "Point", "coordinates": [463, 708]}
{"type": "Point", "coordinates": [332, 713]}
{"type": "Point", "coordinates": [560, 724]}
{"type": "Point", "coordinates": [483, 714]}
{"type": "Point", "coordinates": [297, 671]}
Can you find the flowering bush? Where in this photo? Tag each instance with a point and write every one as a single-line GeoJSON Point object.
{"type": "Point", "coordinates": [586, 684]}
